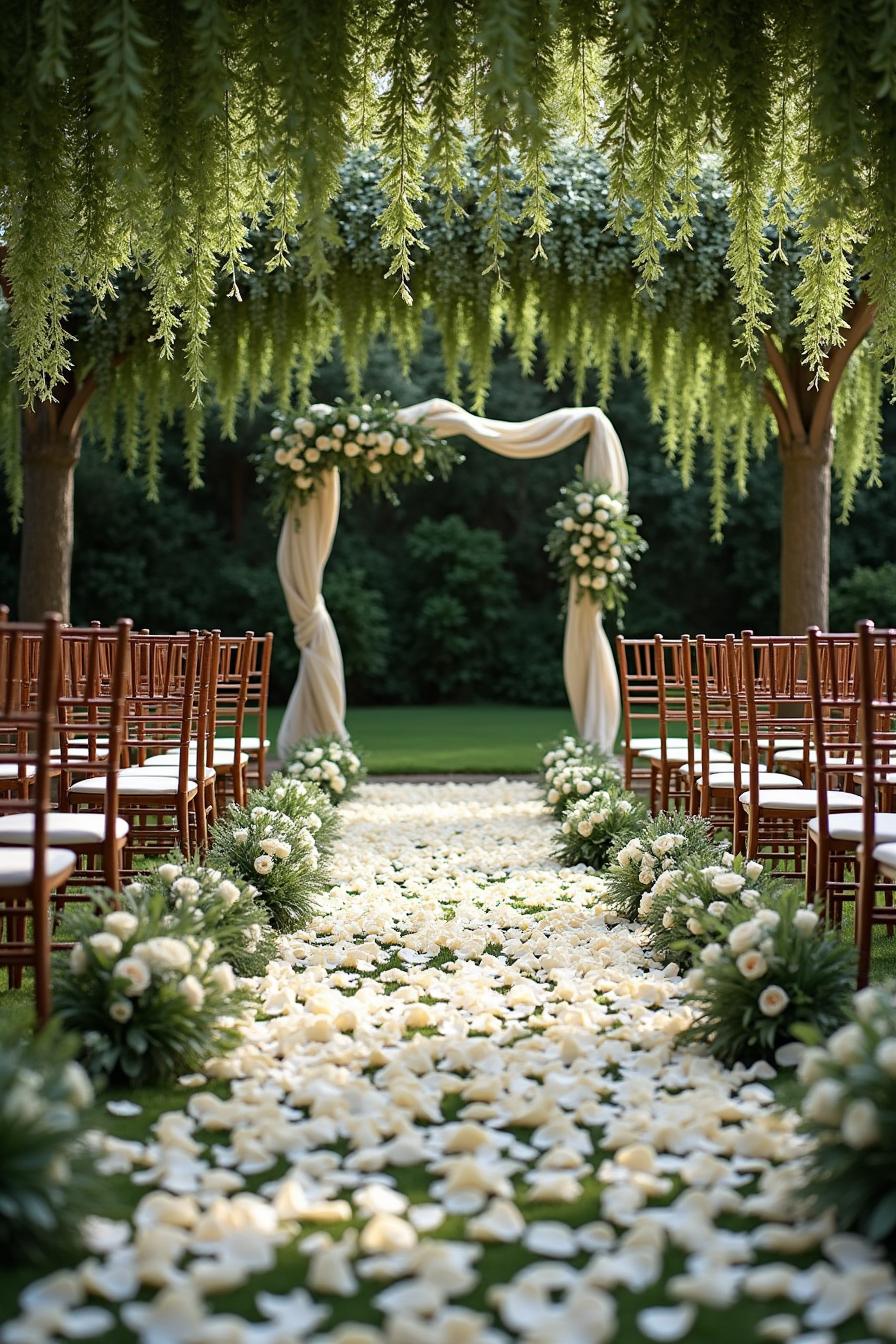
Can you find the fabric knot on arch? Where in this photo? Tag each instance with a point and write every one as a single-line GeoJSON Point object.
{"type": "Point", "coordinates": [317, 703]}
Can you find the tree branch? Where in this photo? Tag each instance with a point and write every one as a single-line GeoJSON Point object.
{"type": "Point", "coordinates": [790, 404]}
{"type": "Point", "coordinates": [860, 323]}
{"type": "Point", "coordinates": [779, 410]}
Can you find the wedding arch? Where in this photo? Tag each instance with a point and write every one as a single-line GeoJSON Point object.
{"type": "Point", "coordinates": [317, 703]}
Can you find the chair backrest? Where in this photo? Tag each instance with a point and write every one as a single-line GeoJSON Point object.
{"type": "Point", "coordinates": [236, 657]}
{"type": "Point", "coordinates": [673, 659]}
{"type": "Point", "coordinates": [836, 707]}
{"type": "Point", "coordinates": [162, 704]}
{"type": "Point", "coordinates": [91, 701]}
{"type": "Point", "coordinates": [716, 701]}
{"type": "Point", "coordinates": [27, 723]}
{"type": "Point", "coordinates": [877, 732]}
{"type": "Point", "coordinates": [776, 698]}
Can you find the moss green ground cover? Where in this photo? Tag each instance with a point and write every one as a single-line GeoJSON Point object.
{"type": "Point", "coordinates": [465, 872]}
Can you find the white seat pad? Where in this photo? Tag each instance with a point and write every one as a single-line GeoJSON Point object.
{"type": "Point", "coordinates": [848, 826]}
{"type": "Point", "coordinates": [724, 779]}
{"type": "Point", "coordinates": [134, 783]}
{"type": "Point", "coordinates": [803, 800]}
{"type": "Point", "coordinates": [781, 743]}
{"type": "Point", "coordinates": [63, 828]}
{"type": "Point", "coordinates": [77, 755]}
{"type": "Point", "coordinates": [222, 759]}
{"type": "Point", "coordinates": [675, 755]}
{"type": "Point", "coordinates": [246, 743]}
{"type": "Point", "coordinates": [643, 744]}
{"type": "Point", "coordinates": [885, 855]}
{"type": "Point", "coordinates": [161, 764]}
{"type": "Point", "coordinates": [798, 755]}
{"type": "Point", "coordinates": [17, 865]}
{"type": "Point", "coordinates": [8, 772]}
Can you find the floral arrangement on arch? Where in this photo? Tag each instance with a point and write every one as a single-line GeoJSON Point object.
{"type": "Point", "coordinates": [372, 448]}
{"type": "Point", "coordinates": [595, 541]}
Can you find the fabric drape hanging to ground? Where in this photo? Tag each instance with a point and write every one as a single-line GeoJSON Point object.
{"type": "Point", "coordinates": [317, 703]}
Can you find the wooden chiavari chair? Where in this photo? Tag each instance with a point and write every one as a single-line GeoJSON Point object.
{"type": "Point", "coordinates": [639, 694]}
{"type": "Point", "coordinates": [673, 766]}
{"type": "Point", "coordinates": [834, 759]}
{"type": "Point", "coordinates": [30, 873]}
{"type": "Point", "coordinates": [90, 698]}
{"type": "Point", "coordinates": [162, 706]}
{"type": "Point", "coordinates": [255, 713]}
{"type": "Point", "coordinates": [877, 854]}
{"type": "Point", "coordinates": [776, 693]}
{"type": "Point", "coordinates": [720, 702]}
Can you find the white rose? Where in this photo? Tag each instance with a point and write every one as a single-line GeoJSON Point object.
{"type": "Point", "coordinates": [241, 836]}
{"type": "Point", "coordinates": [583, 509]}
{"type": "Point", "coordinates": [813, 1064]}
{"type": "Point", "coordinates": [568, 524]}
{"type": "Point", "coordinates": [192, 991]}
{"type": "Point", "coordinates": [121, 1011]}
{"type": "Point", "coordinates": [728, 884]}
{"type": "Point", "coordinates": [229, 893]}
{"type": "Point", "coordinates": [105, 944]}
{"type": "Point", "coordinates": [553, 797]}
{"type": "Point", "coordinates": [78, 1085]}
{"type": "Point", "coordinates": [351, 448]}
{"type": "Point", "coordinates": [805, 921]}
{"type": "Point", "coordinates": [645, 905]}
{"type": "Point", "coordinates": [122, 923]}
{"type": "Point", "coordinates": [418, 457]}
{"type": "Point", "coordinates": [322, 443]}
{"type": "Point", "coordinates": [186, 887]}
{"type": "Point", "coordinates": [77, 960]}
{"type": "Point", "coordinates": [768, 919]}
{"type": "Point", "coordinates": [338, 784]}
{"type": "Point", "coordinates": [583, 787]}
{"type": "Point", "coordinates": [861, 1124]}
{"type": "Point", "coordinates": [823, 1103]}
{"type": "Point", "coordinates": [866, 1003]}
{"type": "Point", "coordinates": [752, 965]}
{"type": "Point", "coordinates": [585, 828]}
{"type": "Point", "coordinates": [263, 864]}
{"type": "Point", "coordinates": [338, 431]}
{"type": "Point", "coordinates": [281, 457]}
{"type": "Point", "coordinates": [582, 561]}
{"type": "Point", "coordinates": [164, 954]}
{"type": "Point", "coordinates": [134, 970]}
{"type": "Point", "coordinates": [312, 455]}
{"type": "Point", "coordinates": [280, 849]}
{"type": "Point", "coordinates": [712, 954]}
{"type": "Point", "coordinates": [743, 936]}
{"type": "Point", "coordinates": [847, 1046]}
{"type": "Point", "coordinates": [668, 920]}
{"type": "Point", "coordinates": [223, 978]}
{"type": "Point", "coordinates": [717, 908]}
{"type": "Point", "coordinates": [885, 1056]}
{"type": "Point", "coordinates": [276, 434]}
{"type": "Point", "coordinates": [773, 1000]}
{"type": "Point", "coordinates": [374, 468]}
{"type": "Point", "coordinates": [386, 439]}
{"type": "Point", "coordinates": [695, 927]}
{"type": "Point", "coordinates": [353, 421]}
{"type": "Point", "coordinates": [753, 870]}
{"type": "Point", "coordinates": [584, 581]}
{"type": "Point", "coordinates": [600, 581]}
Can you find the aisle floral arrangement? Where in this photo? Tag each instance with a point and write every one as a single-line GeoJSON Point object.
{"type": "Point", "coordinates": [143, 989]}
{"type": "Point", "coordinates": [47, 1183]}
{"type": "Point", "coordinates": [769, 979]}
{"type": "Point", "coordinates": [661, 846]}
{"type": "Point", "coordinates": [849, 1110]}
{"type": "Point", "coordinates": [595, 541]}
{"type": "Point", "coordinates": [328, 761]}
{"type": "Point", "coordinates": [690, 904]}
{"type": "Point", "coordinates": [228, 912]}
{"type": "Point", "coordinates": [372, 448]}
{"type": "Point", "coordinates": [278, 854]}
{"type": "Point", "coordinates": [595, 824]}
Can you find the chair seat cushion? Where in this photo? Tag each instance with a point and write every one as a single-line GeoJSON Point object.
{"type": "Point", "coordinates": [803, 800]}
{"type": "Point", "coordinates": [77, 755]}
{"type": "Point", "coordinates": [848, 826]}
{"type": "Point", "coordinates": [166, 766]}
{"type": "Point", "coordinates": [11, 772]}
{"type": "Point", "coordinates": [17, 865]}
{"type": "Point", "coordinates": [724, 779]}
{"type": "Point", "coordinates": [63, 828]}
{"type": "Point", "coordinates": [678, 754]}
{"type": "Point", "coordinates": [135, 783]}
{"type": "Point", "coordinates": [780, 743]}
{"type": "Point", "coordinates": [798, 755]}
{"type": "Point", "coordinates": [885, 855]}
{"type": "Point", "coordinates": [246, 743]}
{"type": "Point", "coordinates": [222, 759]}
{"type": "Point", "coordinates": [640, 744]}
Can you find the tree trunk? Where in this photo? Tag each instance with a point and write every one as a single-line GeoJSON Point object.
{"type": "Point", "coordinates": [805, 534]}
{"type": "Point", "coordinates": [49, 457]}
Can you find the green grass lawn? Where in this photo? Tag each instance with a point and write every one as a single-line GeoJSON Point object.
{"type": "Point", "coordinates": [486, 739]}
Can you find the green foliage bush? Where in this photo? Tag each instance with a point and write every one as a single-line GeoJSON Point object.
{"type": "Point", "coordinates": [849, 1110]}
{"type": "Point", "coordinates": [47, 1179]}
{"type": "Point", "coordinates": [867, 594]}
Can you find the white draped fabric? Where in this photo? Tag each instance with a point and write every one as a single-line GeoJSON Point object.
{"type": "Point", "coordinates": [317, 703]}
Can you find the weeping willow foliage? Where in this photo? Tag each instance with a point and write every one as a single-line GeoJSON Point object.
{"type": "Point", "coordinates": [583, 298]}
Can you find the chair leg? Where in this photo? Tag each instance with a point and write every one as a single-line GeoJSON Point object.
{"type": "Point", "coordinates": [864, 917]}
{"type": "Point", "coordinates": [816, 873]}
{"type": "Point", "coordinates": [42, 991]}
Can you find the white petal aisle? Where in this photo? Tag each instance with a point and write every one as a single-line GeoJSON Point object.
{"type": "Point", "coordinates": [464, 1118]}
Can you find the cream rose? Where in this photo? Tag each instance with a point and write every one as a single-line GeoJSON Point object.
{"type": "Point", "coordinates": [773, 1000]}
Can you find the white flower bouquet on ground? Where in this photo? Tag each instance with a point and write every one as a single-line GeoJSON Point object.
{"type": "Point", "coordinates": [595, 824]}
{"type": "Point", "coordinates": [229, 910]}
{"type": "Point", "coordinates": [144, 990]}
{"type": "Point", "coordinates": [661, 846]}
{"type": "Point", "coordinates": [278, 854]}
{"type": "Point", "coordinates": [330, 762]}
{"type": "Point", "coordinates": [368, 443]}
{"type": "Point", "coordinates": [768, 979]}
{"type": "Point", "coordinates": [849, 1108]}
{"type": "Point", "coordinates": [595, 541]}
{"type": "Point", "coordinates": [48, 1183]}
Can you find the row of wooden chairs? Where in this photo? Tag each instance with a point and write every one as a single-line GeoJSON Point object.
{"type": "Point", "coordinates": [785, 742]}
{"type": "Point", "coordinates": [147, 740]}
